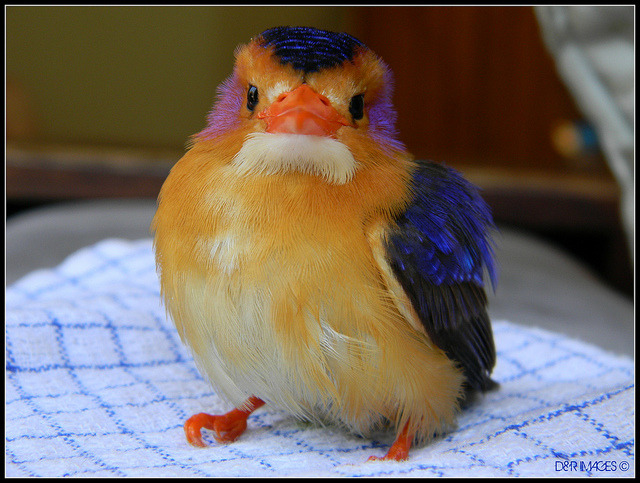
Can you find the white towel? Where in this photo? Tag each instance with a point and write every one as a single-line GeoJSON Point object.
{"type": "Point", "coordinates": [98, 383]}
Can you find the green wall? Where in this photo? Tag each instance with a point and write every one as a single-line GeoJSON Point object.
{"type": "Point", "coordinates": [135, 76]}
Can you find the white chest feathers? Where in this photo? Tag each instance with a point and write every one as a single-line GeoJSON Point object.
{"type": "Point", "coordinates": [267, 153]}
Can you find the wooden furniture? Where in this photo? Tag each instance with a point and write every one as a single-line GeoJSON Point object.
{"type": "Point", "coordinates": [44, 173]}
{"type": "Point", "coordinates": [472, 84]}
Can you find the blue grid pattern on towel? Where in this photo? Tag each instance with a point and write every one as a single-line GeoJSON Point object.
{"type": "Point", "coordinates": [99, 384]}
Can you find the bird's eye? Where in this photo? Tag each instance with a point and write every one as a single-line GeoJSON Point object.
{"type": "Point", "coordinates": [252, 98]}
{"type": "Point", "coordinates": [356, 107]}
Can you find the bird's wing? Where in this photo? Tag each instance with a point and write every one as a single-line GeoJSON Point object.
{"type": "Point", "coordinates": [438, 251]}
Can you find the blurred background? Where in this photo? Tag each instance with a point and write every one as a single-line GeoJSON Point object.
{"type": "Point", "coordinates": [100, 102]}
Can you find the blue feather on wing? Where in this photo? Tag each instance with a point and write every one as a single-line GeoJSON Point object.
{"type": "Point", "coordinates": [448, 226]}
{"type": "Point", "coordinates": [440, 251]}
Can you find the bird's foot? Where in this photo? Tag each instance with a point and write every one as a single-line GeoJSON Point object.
{"type": "Point", "coordinates": [395, 453]}
{"type": "Point", "coordinates": [399, 450]}
{"type": "Point", "coordinates": [226, 427]}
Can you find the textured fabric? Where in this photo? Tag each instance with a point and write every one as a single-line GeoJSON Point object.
{"type": "Point", "coordinates": [99, 384]}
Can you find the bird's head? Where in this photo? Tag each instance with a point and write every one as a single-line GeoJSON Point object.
{"type": "Point", "coordinates": [307, 100]}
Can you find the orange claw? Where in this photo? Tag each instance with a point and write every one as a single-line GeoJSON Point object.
{"type": "Point", "coordinates": [227, 427]}
{"type": "Point", "coordinates": [399, 450]}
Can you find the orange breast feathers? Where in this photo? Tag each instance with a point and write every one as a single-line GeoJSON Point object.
{"type": "Point", "coordinates": [275, 283]}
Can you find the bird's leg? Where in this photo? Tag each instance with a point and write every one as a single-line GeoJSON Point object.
{"type": "Point", "coordinates": [227, 427]}
{"type": "Point", "coordinates": [399, 450]}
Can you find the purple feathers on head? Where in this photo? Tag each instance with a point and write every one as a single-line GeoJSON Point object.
{"type": "Point", "coordinates": [224, 116]}
{"type": "Point", "coordinates": [382, 117]}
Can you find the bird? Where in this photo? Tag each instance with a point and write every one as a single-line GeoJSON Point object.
{"type": "Point", "coordinates": [311, 263]}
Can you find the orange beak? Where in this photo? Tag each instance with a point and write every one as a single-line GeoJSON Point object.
{"type": "Point", "coordinates": [303, 111]}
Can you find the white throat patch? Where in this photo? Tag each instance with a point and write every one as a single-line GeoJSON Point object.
{"type": "Point", "coordinates": [267, 153]}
